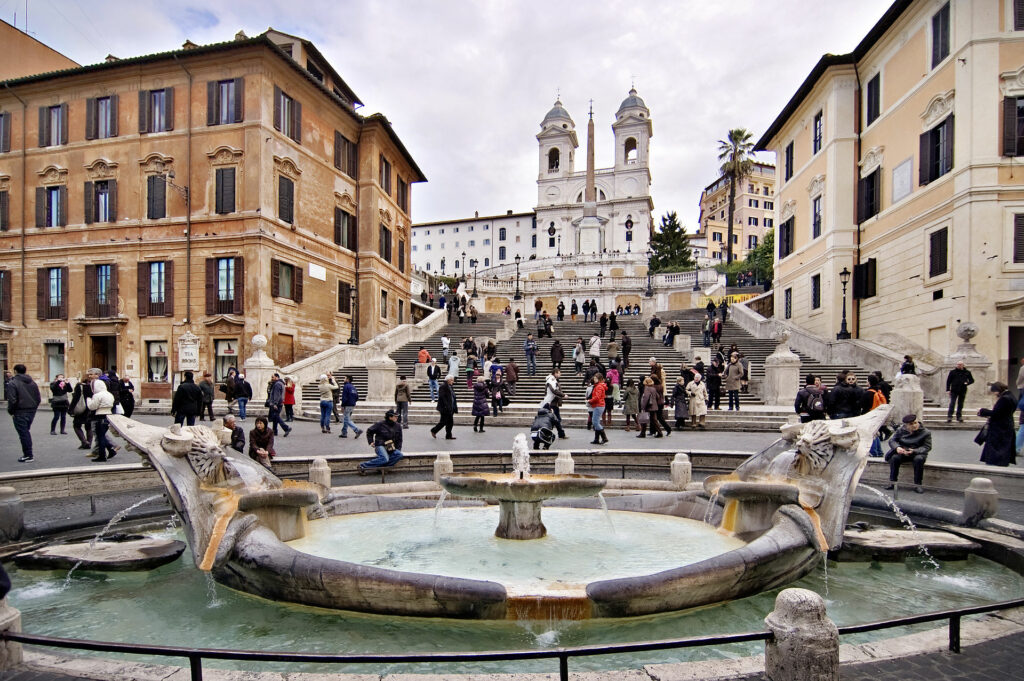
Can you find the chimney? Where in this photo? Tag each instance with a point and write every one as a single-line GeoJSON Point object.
{"type": "Point", "coordinates": [111, 58]}
{"type": "Point", "coordinates": [509, 212]}
{"type": "Point", "coordinates": [476, 213]}
{"type": "Point", "coordinates": [188, 45]}
{"type": "Point", "coordinates": [241, 36]}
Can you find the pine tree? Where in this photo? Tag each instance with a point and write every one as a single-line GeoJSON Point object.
{"type": "Point", "coordinates": [671, 246]}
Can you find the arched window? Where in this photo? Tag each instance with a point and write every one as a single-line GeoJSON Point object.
{"type": "Point", "coordinates": [553, 160]}
{"type": "Point", "coordinates": [487, 262]}
{"type": "Point", "coordinates": [501, 252]}
{"type": "Point", "coordinates": [631, 152]}
{"type": "Point", "coordinates": [502, 234]}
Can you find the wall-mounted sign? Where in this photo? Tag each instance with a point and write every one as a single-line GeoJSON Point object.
{"type": "Point", "coordinates": [188, 352]}
{"type": "Point", "coordinates": [318, 272]}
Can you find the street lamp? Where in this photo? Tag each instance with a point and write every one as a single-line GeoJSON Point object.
{"type": "Point", "coordinates": [558, 251]}
{"type": "Point", "coordinates": [353, 301]}
{"type": "Point", "coordinates": [519, 294]}
{"type": "Point", "coordinates": [187, 195]}
{"type": "Point", "coordinates": [844, 279]}
{"type": "Point", "coordinates": [650, 289]}
{"type": "Point", "coordinates": [474, 263]}
{"type": "Point", "coordinates": [463, 266]}
{"type": "Point", "coordinates": [442, 267]}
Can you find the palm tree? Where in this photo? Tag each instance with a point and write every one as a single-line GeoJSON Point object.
{"type": "Point", "coordinates": [734, 153]}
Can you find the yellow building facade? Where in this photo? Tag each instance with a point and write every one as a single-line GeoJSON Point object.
{"type": "Point", "coordinates": [754, 214]}
{"type": "Point", "coordinates": [898, 164]}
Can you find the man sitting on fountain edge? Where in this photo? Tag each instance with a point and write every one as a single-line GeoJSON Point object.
{"type": "Point", "coordinates": [386, 439]}
{"type": "Point", "coordinates": [911, 443]}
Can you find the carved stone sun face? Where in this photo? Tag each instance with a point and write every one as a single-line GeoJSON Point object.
{"type": "Point", "coordinates": [814, 446]}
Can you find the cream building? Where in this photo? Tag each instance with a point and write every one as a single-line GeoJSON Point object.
{"type": "Point", "coordinates": [438, 247]}
{"type": "Point", "coordinates": [897, 163]}
{"type": "Point", "coordinates": [754, 214]}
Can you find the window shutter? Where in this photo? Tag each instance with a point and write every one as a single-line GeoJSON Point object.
{"type": "Point", "coordinates": [337, 150]}
{"type": "Point", "coordinates": [401, 255]}
{"type": "Point", "coordinates": [63, 292]}
{"type": "Point", "coordinates": [150, 196]}
{"type": "Point", "coordinates": [112, 123]}
{"type": "Point", "coordinates": [218, 192]}
{"type": "Point", "coordinates": [63, 123]}
{"type": "Point", "coordinates": [1018, 15]}
{"type": "Point", "coordinates": [62, 212]}
{"type": "Point", "coordinates": [5, 132]}
{"type": "Point", "coordinates": [353, 166]}
{"type": "Point", "coordinates": [285, 199]}
{"type": "Point", "coordinates": [275, 278]}
{"type": "Point", "coordinates": [297, 284]}
{"type": "Point", "coordinates": [353, 233]}
{"type": "Point", "coordinates": [44, 128]}
{"type": "Point", "coordinates": [90, 118]}
{"type": "Point", "coordinates": [862, 199]}
{"type": "Point", "coordinates": [92, 307]}
{"type": "Point", "coordinates": [925, 169]}
{"type": "Point", "coordinates": [297, 121]}
{"type": "Point", "coordinates": [169, 105]}
{"type": "Point", "coordinates": [89, 201]}
{"type": "Point", "coordinates": [5, 284]}
{"type": "Point", "coordinates": [337, 226]}
{"type": "Point", "coordinates": [143, 111]}
{"type": "Point", "coordinates": [143, 289]}
{"type": "Point", "coordinates": [42, 290]}
{"type": "Point", "coordinates": [212, 90]}
{"type": "Point", "coordinates": [159, 197]}
{"type": "Point", "coordinates": [239, 103]}
{"type": "Point", "coordinates": [1009, 126]}
{"type": "Point", "coordinates": [228, 197]}
{"type": "Point", "coordinates": [1018, 238]}
{"type": "Point", "coordinates": [113, 291]}
{"type": "Point", "coordinates": [938, 252]}
{"type": "Point", "coordinates": [947, 145]}
{"type": "Point", "coordinates": [211, 286]}
{"type": "Point", "coordinates": [169, 288]}
{"type": "Point", "coordinates": [859, 277]}
{"type": "Point", "coordinates": [870, 283]}
{"type": "Point", "coordinates": [5, 209]}
{"type": "Point", "coordinates": [112, 199]}
{"type": "Point", "coordinates": [40, 206]}
{"type": "Point", "coordinates": [239, 285]}
{"type": "Point", "coordinates": [277, 108]}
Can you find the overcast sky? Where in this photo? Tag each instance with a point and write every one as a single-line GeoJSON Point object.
{"type": "Point", "coordinates": [466, 84]}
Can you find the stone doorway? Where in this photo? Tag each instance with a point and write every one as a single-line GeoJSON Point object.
{"type": "Point", "coordinates": [103, 352]}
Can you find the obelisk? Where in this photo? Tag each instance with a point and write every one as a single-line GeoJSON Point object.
{"type": "Point", "coordinates": [589, 228]}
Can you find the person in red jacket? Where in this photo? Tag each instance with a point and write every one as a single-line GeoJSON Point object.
{"type": "Point", "coordinates": [289, 399]}
{"type": "Point", "coordinates": [596, 401]}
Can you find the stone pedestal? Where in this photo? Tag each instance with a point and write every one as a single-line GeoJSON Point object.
{"type": "Point", "coordinates": [683, 342]}
{"type": "Point", "coordinates": [381, 374]}
{"type": "Point", "coordinates": [975, 362]}
{"type": "Point", "coordinates": [564, 465]}
{"type": "Point", "coordinates": [320, 472]}
{"type": "Point", "coordinates": [981, 500]}
{"type": "Point", "coordinates": [781, 373]}
{"type": "Point", "coordinates": [10, 652]}
{"type": "Point", "coordinates": [805, 646]}
{"type": "Point", "coordinates": [258, 369]}
{"type": "Point", "coordinates": [419, 373]}
{"type": "Point", "coordinates": [682, 470]}
{"type": "Point", "coordinates": [442, 466]}
{"type": "Point", "coordinates": [520, 520]}
{"type": "Point", "coordinates": [12, 515]}
{"type": "Point", "coordinates": [907, 397]}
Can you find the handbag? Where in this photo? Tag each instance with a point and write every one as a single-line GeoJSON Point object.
{"type": "Point", "coordinates": [982, 435]}
{"type": "Point", "coordinates": [79, 407]}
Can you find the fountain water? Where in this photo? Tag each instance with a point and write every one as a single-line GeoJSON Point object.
{"type": "Point", "coordinates": [907, 523]}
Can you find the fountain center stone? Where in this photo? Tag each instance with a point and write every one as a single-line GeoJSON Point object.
{"type": "Point", "coordinates": [520, 495]}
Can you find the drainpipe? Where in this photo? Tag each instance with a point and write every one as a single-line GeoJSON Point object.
{"type": "Point", "coordinates": [188, 201]}
{"type": "Point", "coordinates": [855, 302]}
{"type": "Point", "coordinates": [24, 195]}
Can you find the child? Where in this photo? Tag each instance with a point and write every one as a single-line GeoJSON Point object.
{"type": "Point", "coordinates": [543, 429]}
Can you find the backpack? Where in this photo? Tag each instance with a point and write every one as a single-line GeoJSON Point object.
{"type": "Point", "coordinates": [877, 398]}
{"type": "Point", "coordinates": [815, 403]}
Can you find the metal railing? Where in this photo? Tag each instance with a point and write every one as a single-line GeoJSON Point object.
{"type": "Point", "coordinates": [196, 656]}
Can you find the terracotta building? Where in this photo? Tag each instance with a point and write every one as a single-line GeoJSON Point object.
{"type": "Point", "coordinates": [25, 56]}
{"type": "Point", "coordinates": [754, 214]}
{"type": "Point", "coordinates": [220, 191]}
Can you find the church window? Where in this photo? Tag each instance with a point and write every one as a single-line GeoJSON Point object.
{"type": "Point", "coordinates": [631, 152]}
{"type": "Point", "coordinates": [502, 234]}
{"type": "Point", "coordinates": [487, 262]}
{"type": "Point", "coordinates": [501, 253]}
{"type": "Point", "coordinates": [553, 157]}
{"type": "Point", "coordinates": [533, 241]}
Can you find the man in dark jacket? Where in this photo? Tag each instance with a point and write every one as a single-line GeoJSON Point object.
{"type": "Point", "coordinates": [448, 406]}
{"type": "Point", "coordinates": [386, 439]}
{"type": "Point", "coordinates": [22, 402]}
{"type": "Point", "coordinates": [910, 443]}
{"type": "Point", "coordinates": [349, 397]}
{"type": "Point", "coordinates": [543, 429]}
{"type": "Point", "coordinates": [627, 347]}
{"type": "Point", "coordinates": [242, 395]}
{"type": "Point", "coordinates": [275, 402]}
{"type": "Point", "coordinates": [846, 399]}
{"type": "Point", "coordinates": [187, 402]}
{"type": "Point", "coordinates": [810, 401]}
{"type": "Point", "coordinates": [956, 387]}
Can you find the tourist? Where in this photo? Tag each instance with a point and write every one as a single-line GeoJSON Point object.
{"type": "Point", "coordinates": [615, 379]}
{"type": "Point", "coordinates": [998, 442]}
{"type": "Point", "coordinates": [613, 326]}
{"type": "Point", "coordinates": [710, 308]}
{"type": "Point", "coordinates": [908, 366]}
{"type": "Point", "coordinates": [261, 442]}
{"type": "Point", "coordinates": [653, 324]}
{"type": "Point", "coordinates": [670, 334]}
{"type": "Point", "coordinates": [480, 409]}
{"type": "Point", "coordinates": [542, 430]}
{"type": "Point", "coordinates": [705, 328]}
{"type": "Point", "coordinates": [275, 403]}
{"type": "Point", "coordinates": [385, 437]}
{"type": "Point", "coordinates": [631, 404]}
{"type": "Point", "coordinates": [733, 378]}
{"type": "Point", "coordinates": [557, 355]}
{"type": "Point", "coordinates": [560, 310]}
{"type": "Point", "coordinates": [956, 388]}
{"type": "Point", "coordinates": [209, 391]}
{"type": "Point", "coordinates": [126, 397]}
{"type": "Point", "coordinates": [884, 385]}
{"type": "Point", "coordinates": [335, 397]}
{"type": "Point", "coordinates": [595, 347]}
{"type": "Point", "coordinates": [326, 387]}
{"type": "Point", "coordinates": [649, 408]}
{"type": "Point", "coordinates": [530, 349]}
{"type": "Point", "coordinates": [403, 396]}
{"type": "Point", "coordinates": [433, 378]}
{"type": "Point", "coordinates": [507, 312]}
{"type": "Point", "coordinates": [723, 310]}
{"type": "Point", "coordinates": [22, 402]}
{"type": "Point", "coordinates": [102, 405]}
{"type": "Point", "coordinates": [422, 357]}
{"type": "Point", "coordinates": [609, 402]}
{"type": "Point", "coordinates": [113, 387]}
{"type": "Point", "coordinates": [511, 375]}
{"type": "Point", "coordinates": [538, 305]}
{"type": "Point", "coordinates": [846, 399]}
{"type": "Point", "coordinates": [187, 402]}
{"type": "Point", "coordinates": [1020, 378]}
{"type": "Point", "coordinates": [714, 383]}
{"type": "Point", "coordinates": [542, 325]}
{"type": "Point", "coordinates": [491, 351]}
{"type": "Point", "coordinates": [59, 400]}
{"type": "Point", "coordinates": [680, 403]}
{"type": "Point", "coordinates": [462, 313]}
{"type": "Point", "coordinates": [716, 330]}
{"type": "Point", "coordinates": [593, 309]}
{"type": "Point", "coordinates": [579, 355]}
{"type": "Point", "coordinates": [549, 325]}
{"type": "Point", "coordinates": [243, 393]}
{"type": "Point", "coordinates": [586, 310]}
{"type": "Point", "coordinates": [603, 323]}
{"type": "Point", "coordinates": [910, 443]}
{"type": "Point", "coordinates": [237, 434]}
{"type": "Point", "coordinates": [574, 310]}
{"type": "Point", "coordinates": [697, 394]}
{"type": "Point", "coordinates": [447, 406]}
{"type": "Point", "coordinates": [289, 399]}
{"type": "Point", "coordinates": [810, 401]}
{"type": "Point", "coordinates": [228, 387]}
{"type": "Point", "coordinates": [446, 343]}
{"type": "Point", "coordinates": [596, 403]}
{"type": "Point", "coordinates": [1020, 431]}
{"type": "Point", "coordinates": [519, 319]}
{"type": "Point", "coordinates": [636, 309]}
{"type": "Point", "coordinates": [627, 347]}
{"type": "Point", "coordinates": [473, 313]}
{"type": "Point", "coordinates": [553, 399]}
{"type": "Point", "coordinates": [498, 391]}
{"type": "Point", "coordinates": [81, 417]}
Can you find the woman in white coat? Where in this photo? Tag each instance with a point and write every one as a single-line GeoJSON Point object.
{"type": "Point", "coordinates": [697, 391]}
{"type": "Point", "coordinates": [101, 404]}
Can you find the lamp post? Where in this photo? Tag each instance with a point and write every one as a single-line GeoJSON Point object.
{"type": "Point", "coordinates": [844, 279]}
{"type": "Point", "coordinates": [519, 294]}
{"type": "Point", "coordinates": [442, 267]}
{"type": "Point", "coordinates": [353, 302]}
{"type": "Point", "coordinates": [650, 289]}
{"type": "Point", "coordinates": [558, 251]}
{"type": "Point", "coordinates": [185, 194]}
{"type": "Point", "coordinates": [463, 266]}
{"type": "Point", "coordinates": [474, 263]}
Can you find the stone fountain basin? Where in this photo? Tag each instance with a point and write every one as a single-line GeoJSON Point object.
{"type": "Point", "coordinates": [503, 487]}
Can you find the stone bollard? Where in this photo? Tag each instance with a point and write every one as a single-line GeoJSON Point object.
{"type": "Point", "coordinates": [12, 515]}
{"type": "Point", "coordinates": [10, 652]}
{"type": "Point", "coordinates": [564, 465]}
{"type": "Point", "coordinates": [320, 472]}
{"type": "Point", "coordinates": [682, 470]}
{"type": "Point", "coordinates": [805, 643]}
{"type": "Point", "coordinates": [981, 500]}
{"type": "Point", "coordinates": [442, 466]}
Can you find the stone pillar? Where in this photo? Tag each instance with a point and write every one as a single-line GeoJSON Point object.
{"type": "Point", "coordinates": [10, 652]}
{"type": "Point", "coordinates": [682, 470]}
{"type": "Point", "coordinates": [981, 500]}
{"type": "Point", "coordinates": [781, 373]}
{"type": "Point", "coordinates": [907, 397]}
{"type": "Point", "coordinates": [419, 374]}
{"type": "Point", "coordinates": [12, 515]}
{"type": "Point", "coordinates": [382, 374]}
{"type": "Point", "coordinates": [975, 362]}
{"type": "Point", "coordinates": [442, 466]}
{"type": "Point", "coordinates": [564, 465]}
{"type": "Point", "coordinates": [683, 342]}
{"type": "Point", "coordinates": [805, 646]}
{"type": "Point", "coordinates": [320, 472]}
{"type": "Point", "coordinates": [258, 370]}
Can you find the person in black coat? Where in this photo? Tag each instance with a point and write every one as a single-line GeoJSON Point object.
{"type": "Point", "coordinates": [956, 387]}
{"type": "Point", "coordinates": [127, 396]}
{"type": "Point", "coordinates": [911, 443]}
{"type": "Point", "coordinates": [846, 399]}
{"type": "Point", "coordinates": [447, 406]}
{"type": "Point", "coordinates": [187, 402]}
{"type": "Point", "coordinates": [59, 400]}
{"type": "Point", "coordinates": [613, 326]}
{"type": "Point", "coordinates": [22, 402]}
{"type": "Point", "coordinates": [999, 448]}
{"type": "Point", "coordinates": [386, 439]}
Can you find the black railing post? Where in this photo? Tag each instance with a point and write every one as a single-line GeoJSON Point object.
{"type": "Point", "coordinates": [563, 667]}
{"type": "Point", "coordinates": [954, 633]}
{"type": "Point", "coordinates": [196, 663]}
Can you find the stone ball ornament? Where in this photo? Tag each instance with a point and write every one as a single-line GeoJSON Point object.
{"type": "Point", "coordinates": [966, 331]}
{"type": "Point", "coordinates": [259, 341]}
